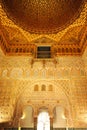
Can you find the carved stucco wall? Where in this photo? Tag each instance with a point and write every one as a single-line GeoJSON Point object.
{"type": "Point", "coordinates": [85, 58]}
{"type": "Point", "coordinates": [68, 79]}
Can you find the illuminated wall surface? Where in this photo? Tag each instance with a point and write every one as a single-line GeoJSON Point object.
{"type": "Point", "coordinates": [43, 64]}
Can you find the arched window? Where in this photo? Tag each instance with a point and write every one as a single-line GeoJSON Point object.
{"type": "Point", "coordinates": [43, 87]}
{"type": "Point", "coordinates": [43, 121]}
{"type": "Point", "coordinates": [50, 88]}
{"type": "Point", "coordinates": [36, 87]}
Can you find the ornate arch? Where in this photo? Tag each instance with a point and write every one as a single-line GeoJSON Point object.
{"type": "Point", "coordinates": [46, 98]}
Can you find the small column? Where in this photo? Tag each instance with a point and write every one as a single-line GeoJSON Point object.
{"type": "Point", "coordinates": [51, 123]}
{"type": "Point", "coordinates": [66, 124]}
{"type": "Point", "coordinates": [35, 123]}
{"type": "Point", "coordinates": [19, 126]}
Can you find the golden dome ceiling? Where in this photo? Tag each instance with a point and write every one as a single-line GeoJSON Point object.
{"type": "Point", "coordinates": [42, 16]}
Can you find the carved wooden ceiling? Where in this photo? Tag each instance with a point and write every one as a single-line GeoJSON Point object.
{"type": "Point", "coordinates": [70, 37]}
{"type": "Point", "coordinates": [48, 16]}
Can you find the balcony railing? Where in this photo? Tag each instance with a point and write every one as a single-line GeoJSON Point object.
{"type": "Point", "coordinates": [43, 54]}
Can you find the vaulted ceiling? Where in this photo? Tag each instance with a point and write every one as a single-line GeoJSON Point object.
{"type": "Point", "coordinates": [21, 28]}
{"type": "Point", "coordinates": [48, 16]}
